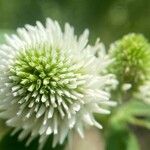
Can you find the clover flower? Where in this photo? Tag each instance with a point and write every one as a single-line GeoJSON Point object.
{"type": "Point", "coordinates": [132, 61]}
{"type": "Point", "coordinates": [51, 82]}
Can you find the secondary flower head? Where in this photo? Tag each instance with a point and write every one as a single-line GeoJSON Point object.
{"type": "Point", "coordinates": [144, 92]}
{"type": "Point", "coordinates": [52, 82]}
{"type": "Point", "coordinates": [132, 61]}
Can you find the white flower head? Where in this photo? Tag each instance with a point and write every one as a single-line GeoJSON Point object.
{"type": "Point", "coordinates": [144, 92]}
{"type": "Point", "coordinates": [51, 82]}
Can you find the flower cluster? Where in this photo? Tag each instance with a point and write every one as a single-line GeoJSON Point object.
{"type": "Point", "coordinates": [52, 82]}
{"type": "Point", "coordinates": [132, 61]}
{"type": "Point", "coordinates": [143, 92]}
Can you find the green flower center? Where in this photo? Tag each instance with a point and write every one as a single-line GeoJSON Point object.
{"type": "Point", "coordinates": [46, 76]}
{"type": "Point", "coordinates": [132, 60]}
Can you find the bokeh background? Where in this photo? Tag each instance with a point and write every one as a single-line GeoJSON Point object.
{"type": "Point", "coordinates": [107, 19]}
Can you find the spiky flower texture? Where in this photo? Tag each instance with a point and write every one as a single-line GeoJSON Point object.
{"type": "Point", "coordinates": [51, 82]}
{"type": "Point", "coordinates": [132, 61]}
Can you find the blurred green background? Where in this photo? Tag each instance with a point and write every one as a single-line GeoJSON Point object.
{"type": "Point", "coordinates": [107, 19]}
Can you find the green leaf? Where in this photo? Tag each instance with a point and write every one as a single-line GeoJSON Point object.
{"type": "Point", "coordinates": [117, 139]}
{"type": "Point", "coordinates": [132, 142]}
{"type": "Point", "coordinates": [121, 139]}
{"type": "Point", "coordinates": [134, 112]}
